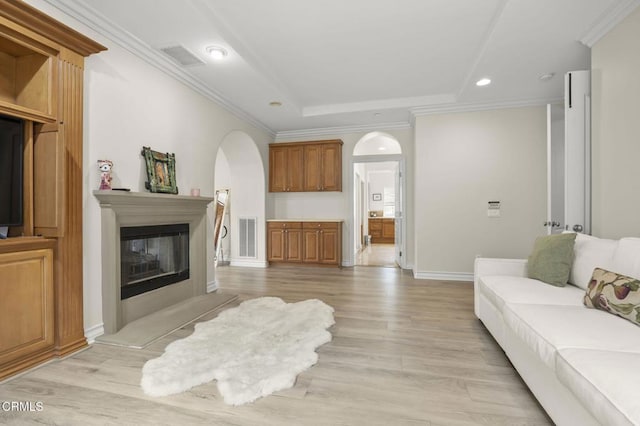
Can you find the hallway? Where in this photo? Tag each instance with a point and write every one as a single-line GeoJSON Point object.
{"type": "Point", "coordinates": [377, 255]}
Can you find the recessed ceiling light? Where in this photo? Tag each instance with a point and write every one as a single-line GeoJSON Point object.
{"type": "Point", "coordinates": [382, 148]}
{"type": "Point", "coordinates": [217, 52]}
{"type": "Point", "coordinates": [483, 82]}
{"type": "Point", "coordinates": [275, 103]}
{"type": "Point", "coordinates": [547, 76]}
{"type": "Point", "coordinates": [377, 114]}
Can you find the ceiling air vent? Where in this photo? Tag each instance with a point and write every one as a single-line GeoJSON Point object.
{"type": "Point", "coordinates": [181, 55]}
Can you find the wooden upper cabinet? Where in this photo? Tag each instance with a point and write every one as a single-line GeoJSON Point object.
{"type": "Point", "coordinates": [286, 168]}
{"type": "Point", "coordinates": [28, 87]}
{"type": "Point", "coordinates": [305, 166]}
{"type": "Point", "coordinates": [313, 167]}
{"type": "Point", "coordinates": [331, 168]}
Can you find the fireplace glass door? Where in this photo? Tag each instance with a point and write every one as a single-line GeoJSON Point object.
{"type": "Point", "coordinates": [152, 257]}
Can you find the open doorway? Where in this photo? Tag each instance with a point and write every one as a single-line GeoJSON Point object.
{"type": "Point", "coordinates": [378, 201]}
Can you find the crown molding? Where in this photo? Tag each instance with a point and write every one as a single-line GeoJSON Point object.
{"type": "Point", "coordinates": [327, 131]}
{"type": "Point", "coordinates": [394, 103]}
{"type": "Point", "coordinates": [94, 20]}
{"type": "Point", "coordinates": [480, 106]}
{"type": "Point", "coordinates": [608, 20]}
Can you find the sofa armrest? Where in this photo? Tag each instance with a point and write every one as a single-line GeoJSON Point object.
{"type": "Point", "coordinates": [486, 266]}
{"type": "Point", "coordinates": [511, 267]}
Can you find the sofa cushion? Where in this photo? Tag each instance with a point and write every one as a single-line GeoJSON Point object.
{"type": "Point", "coordinates": [590, 253]}
{"type": "Point", "coordinates": [614, 293]}
{"type": "Point", "coordinates": [550, 259]}
{"type": "Point", "coordinates": [601, 380]}
{"type": "Point", "coordinates": [547, 328]}
{"type": "Point", "coordinates": [626, 258]}
{"type": "Point", "coordinates": [501, 289]}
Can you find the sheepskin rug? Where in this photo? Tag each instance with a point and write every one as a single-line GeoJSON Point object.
{"type": "Point", "coordinates": [252, 350]}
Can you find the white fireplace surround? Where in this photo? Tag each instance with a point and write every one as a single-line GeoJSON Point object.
{"type": "Point", "coordinates": [121, 208]}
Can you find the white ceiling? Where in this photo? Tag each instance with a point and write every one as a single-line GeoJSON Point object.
{"type": "Point", "coordinates": [361, 63]}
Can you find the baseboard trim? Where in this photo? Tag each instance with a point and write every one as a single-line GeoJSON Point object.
{"type": "Point", "coordinates": [249, 263]}
{"type": "Point", "coordinates": [212, 286]}
{"type": "Point", "coordinates": [92, 332]}
{"type": "Point", "coordinates": [443, 276]}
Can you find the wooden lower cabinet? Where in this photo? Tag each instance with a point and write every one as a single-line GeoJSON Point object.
{"type": "Point", "coordinates": [284, 241]}
{"type": "Point", "coordinates": [312, 243]}
{"type": "Point", "coordinates": [382, 230]}
{"type": "Point", "coordinates": [27, 306]}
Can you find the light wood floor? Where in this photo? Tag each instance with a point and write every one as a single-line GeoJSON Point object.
{"type": "Point", "coordinates": [377, 255]}
{"type": "Point", "coordinates": [404, 352]}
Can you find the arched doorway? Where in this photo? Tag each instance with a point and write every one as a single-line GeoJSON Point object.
{"type": "Point", "coordinates": [239, 169]}
{"type": "Point", "coordinates": [378, 201]}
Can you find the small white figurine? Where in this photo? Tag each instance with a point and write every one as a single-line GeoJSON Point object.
{"type": "Point", "coordinates": [105, 174]}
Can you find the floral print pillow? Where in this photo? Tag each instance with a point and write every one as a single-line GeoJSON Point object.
{"type": "Point", "coordinates": [614, 293]}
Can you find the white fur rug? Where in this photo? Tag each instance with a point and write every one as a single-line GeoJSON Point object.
{"type": "Point", "coordinates": [252, 350]}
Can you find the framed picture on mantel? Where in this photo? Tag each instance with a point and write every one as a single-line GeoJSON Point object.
{"type": "Point", "coordinates": [161, 171]}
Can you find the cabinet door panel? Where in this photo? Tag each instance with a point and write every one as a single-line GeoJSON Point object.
{"type": "Point", "coordinates": [26, 303]}
{"type": "Point", "coordinates": [276, 245]}
{"type": "Point", "coordinates": [294, 245]}
{"type": "Point", "coordinates": [48, 184]}
{"type": "Point", "coordinates": [330, 246]}
{"type": "Point", "coordinates": [311, 241]}
{"type": "Point", "coordinates": [295, 169]}
{"type": "Point", "coordinates": [331, 167]}
{"type": "Point", "coordinates": [277, 169]}
{"type": "Point", "coordinates": [388, 228]}
{"type": "Point", "coordinates": [312, 168]}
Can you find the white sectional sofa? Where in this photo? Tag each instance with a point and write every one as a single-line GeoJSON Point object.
{"type": "Point", "coordinates": [583, 365]}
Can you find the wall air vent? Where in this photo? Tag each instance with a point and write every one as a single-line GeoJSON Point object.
{"type": "Point", "coordinates": [182, 55]}
{"type": "Point", "coordinates": [247, 237]}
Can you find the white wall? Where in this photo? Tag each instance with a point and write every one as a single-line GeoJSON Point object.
{"type": "Point", "coordinates": [246, 182]}
{"type": "Point", "coordinates": [130, 104]}
{"type": "Point", "coordinates": [464, 160]}
{"type": "Point", "coordinates": [615, 64]}
{"type": "Point", "coordinates": [338, 205]}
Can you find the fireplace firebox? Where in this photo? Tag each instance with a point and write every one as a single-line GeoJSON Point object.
{"type": "Point", "coordinates": [152, 257]}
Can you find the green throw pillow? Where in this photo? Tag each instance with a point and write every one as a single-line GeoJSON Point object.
{"type": "Point", "coordinates": [551, 258]}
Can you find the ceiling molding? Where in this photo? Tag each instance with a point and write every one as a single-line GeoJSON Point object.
{"type": "Point", "coordinates": [480, 106]}
{"type": "Point", "coordinates": [94, 20]}
{"type": "Point", "coordinates": [327, 131]}
{"type": "Point", "coordinates": [380, 104]}
{"type": "Point", "coordinates": [608, 20]}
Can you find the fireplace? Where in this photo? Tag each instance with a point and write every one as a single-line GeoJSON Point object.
{"type": "Point", "coordinates": [152, 257]}
{"type": "Point", "coordinates": [148, 238]}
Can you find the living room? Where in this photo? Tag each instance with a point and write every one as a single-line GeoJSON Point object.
{"type": "Point", "coordinates": [457, 160]}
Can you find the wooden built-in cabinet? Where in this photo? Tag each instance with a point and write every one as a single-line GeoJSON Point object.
{"type": "Point", "coordinates": [41, 77]}
{"type": "Point", "coordinates": [382, 230]}
{"type": "Point", "coordinates": [284, 241]}
{"type": "Point", "coordinates": [305, 166]}
{"type": "Point", "coordinates": [286, 165]}
{"type": "Point", "coordinates": [27, 307]}
{"type": "Point", "coordinates": [318, 243]}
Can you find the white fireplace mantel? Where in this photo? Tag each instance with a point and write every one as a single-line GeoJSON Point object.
{"type": "Point", "coordinates": [123, 208]}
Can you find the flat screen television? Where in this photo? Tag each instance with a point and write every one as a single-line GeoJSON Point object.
{"type": "Point", "coordinates": [11, 161]}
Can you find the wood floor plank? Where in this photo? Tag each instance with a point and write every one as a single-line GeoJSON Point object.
{"type": "Point", "coordinates": [404, 352]}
